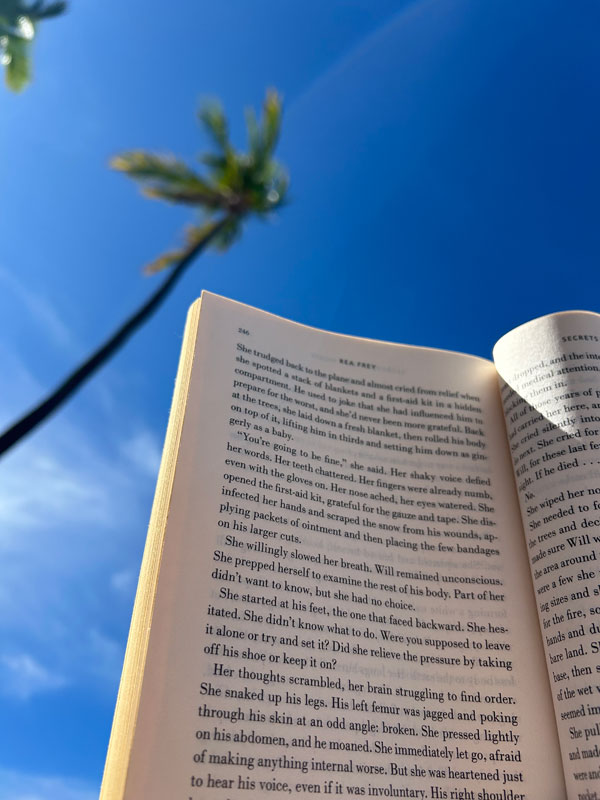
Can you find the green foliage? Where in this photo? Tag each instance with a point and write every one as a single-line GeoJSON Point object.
{"type": "Point", "coordinates": [18, 21]}
{"type": "Point", "coordinates": [234, 185]}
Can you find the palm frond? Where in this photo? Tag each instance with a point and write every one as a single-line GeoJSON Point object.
{"type": "Point", "coordinates": [254, 134]}
{"type": "Point", "coordinates": [263, 135]}
{"type": "Point", "coordinates": [234, 185]}
{"type": "Point", "coordinates": [17, 63]}
{"type": "Point", "coordinates": [18, 21]}
{"type": "Point", "coordinates": [167, 178]}
{"type": "Point", "coordinates": [140, 165]}
{"type": "Point", "coordinates": [41, 11]}
{"type": "Point", "coordinates": [194, 235]}
{"type": "Point", "coordinates": [271, 121]}
{"type": "Point", "coordinates": [213, 118]}
{"type": "Point", "coordinates": [187, 196]}
{"type": "Point", "coordinates": [213, 161]}
{"type": "Point", "coordinates": [230, 233]}
{"type": "Point", "coordinates": [164, 261]}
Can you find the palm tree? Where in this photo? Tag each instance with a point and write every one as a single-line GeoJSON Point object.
{"type": "Point", "coordinates": [18, 22]}
{"type": "Point", "coordinates": [236, 186]}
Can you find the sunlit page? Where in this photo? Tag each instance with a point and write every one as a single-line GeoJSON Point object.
{"type": "Point", "coordinates": [344, 605]}
{"type": "Point", "coordinates": [551, 392]}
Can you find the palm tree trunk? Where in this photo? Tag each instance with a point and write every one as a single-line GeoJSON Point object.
{"type": "Point", "coordinates": [78, 377]}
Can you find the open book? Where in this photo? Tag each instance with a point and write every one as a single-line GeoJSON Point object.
{"type": "Point", "coordinates": [372, 570]}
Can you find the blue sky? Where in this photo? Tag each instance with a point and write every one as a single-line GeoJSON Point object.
{"type": "Point", "coordinates": [445, 173]}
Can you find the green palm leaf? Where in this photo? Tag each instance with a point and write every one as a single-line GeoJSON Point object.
{"type": "Point", "coordinates": [17, 63]}
{"type": "Point", "coordinates": [18, 21]}
{"type": "Point", "coordinates": [233, 186]}
{"type": "Point", "coordinates": [211, 115]}
{"type": "Point", "coordinates": [167, 178]}
{"type": "Point", "coordinates": [40, 11]}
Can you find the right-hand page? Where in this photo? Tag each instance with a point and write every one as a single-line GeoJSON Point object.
{"type": "Point", "coordinates": [550, 381]}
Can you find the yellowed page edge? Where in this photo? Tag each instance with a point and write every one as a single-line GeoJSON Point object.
{"type": "Point", "coordinates": [126, 711]}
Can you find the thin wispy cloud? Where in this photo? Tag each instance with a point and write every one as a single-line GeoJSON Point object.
{"type": "Point", "coordinates": [74, 504]}
{"type": "Point", "coordinates": [45, 322]}
{"type": "Point", "coordinates": [41, 310]}
{"type": "Point", "coordinates": [64, 527]}
{"type": "Point", "coordinates": [39, 488]}
{"type": "Point", "coordinates": [21, 676]}
{"type": "Point", "coordinates": [143, 451]}
{"type": "Point", "coordinates": [20, 388]}
{"type": "Point", "coordinates": [123, 582]}
{"type": "Point", "coordinates": [15, 785]}
{"type": "Point", "coordinates": [73, 514]}
{"type": "Point", "coordinates": [107, 656]}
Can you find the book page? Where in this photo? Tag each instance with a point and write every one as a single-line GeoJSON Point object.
{"type": "Point", "coordinates": [344, 605]}
{"type": "Point", "coordinates": [550, 371]}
